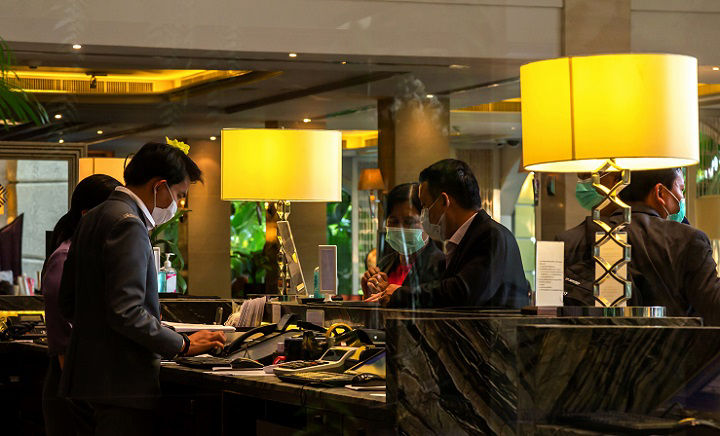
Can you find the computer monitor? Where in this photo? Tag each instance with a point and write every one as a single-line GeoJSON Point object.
{"type": "Point", "coordinates": [297, 280]}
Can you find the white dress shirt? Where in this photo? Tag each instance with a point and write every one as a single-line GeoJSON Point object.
{"type": "Point", "coordinates": [143, 208]}
{"type": "Point", "coordinates": [452, 243]}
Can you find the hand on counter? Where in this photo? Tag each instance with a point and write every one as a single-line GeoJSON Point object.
{"type": "Point", "coordinates": [366, 277]}
{"type": "Point", "coordinates": [378, 283]}
{"type": "Point", "coordinates": [384, 296]}
{"type": "Point", "coordinates": [205, 340]}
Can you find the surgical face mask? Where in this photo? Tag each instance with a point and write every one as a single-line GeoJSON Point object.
{"type": "Point", "coordinates": [405, 241]}
{"type": "Point", "coordinates": [679, 216]}
{"type": "Point", "coordinates": [586, 195]}
{"type": "Point", "coordinates": [436, 232]}
{"type": "Point", "coordinates": [162, 215]}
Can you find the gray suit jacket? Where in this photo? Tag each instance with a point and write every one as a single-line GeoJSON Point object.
{"type": "Point", "coordinates": [109, 293]}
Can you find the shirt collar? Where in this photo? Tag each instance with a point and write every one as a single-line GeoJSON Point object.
{"type": "Point", "coordinates": [148, 216]}
{"type": "Point", "coordinates": [460, 233]}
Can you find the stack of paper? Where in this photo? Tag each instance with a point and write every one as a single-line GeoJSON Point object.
{"type": "Point", "coordinates": [183, 327]}
{"type": "Point", "coordinates": [250, 314]}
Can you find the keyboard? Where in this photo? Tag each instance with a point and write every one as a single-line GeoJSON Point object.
{"type": "Point", "coordinates": [204, 362]}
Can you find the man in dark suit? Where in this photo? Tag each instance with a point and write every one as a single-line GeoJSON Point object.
{"type": "Point", "coordinates": [483, 260]}
{"type": "Point", "coordinates": [109, 293]}
{"type": "Point", "coordinates": [672, 263]}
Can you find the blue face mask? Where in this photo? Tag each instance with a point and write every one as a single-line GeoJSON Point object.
{"type": "Point", "coordinates": [586, 195]}
{"type": "Point", "coordinates": [680, 215]}
{"type": "Point", "coordinates": [405, 241]}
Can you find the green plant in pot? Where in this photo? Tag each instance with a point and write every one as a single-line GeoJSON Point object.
{"type": "Point", "coordinates": [247, 238]}
{"type": "Point", "coordinates": [165, 236]}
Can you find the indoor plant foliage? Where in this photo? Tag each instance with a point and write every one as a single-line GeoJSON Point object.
{"type": "Point", "coordinates": [16, 106]}
{"type": "Point", "coordinates": [247, 239]}
{"type": "Point", "coordinates": [165, 236]}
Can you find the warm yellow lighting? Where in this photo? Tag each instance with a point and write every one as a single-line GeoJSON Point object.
{"type": "Point", "coordinates": [112, 166]}
{"type": "Point", "coordinates": [100, 132]}
{"type": "Point", "coordinates": [716, 68]}
{"type": "Point", "coordinates": [353, 139]}
{"type": "Point", "coordinates": [280, 164]}
{"type": "Point", "coordinates": [61, 141]}
{"type": "Point", "coordinates": [58, 116]}
{"type": "Point", "coordinates": [371, 179]}
{"type": "Point", "coordinates": [641, 110]}
{"type": "Point", "coordinates": [343, 62]}
{"type": "Point", "coordinates": [429, 96]}
{"type": "Point", "coordinates": [212, 138]}
{"type": "Point", "coordinates": [306, 120]}
{"type": "Point", "coordinates": [292, 55]}
{"type": "Point", "coordinates": [77, 46]}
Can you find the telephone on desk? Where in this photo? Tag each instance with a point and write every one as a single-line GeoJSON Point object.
{"type": "Point", "coordinates": [259, 344]}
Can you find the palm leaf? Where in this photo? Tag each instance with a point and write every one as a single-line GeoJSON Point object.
{"type": "Point", "coordinates": [17, 105]}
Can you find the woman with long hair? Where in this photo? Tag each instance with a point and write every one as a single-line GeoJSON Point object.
{"type": "Point", "coordinates": [90, 192]}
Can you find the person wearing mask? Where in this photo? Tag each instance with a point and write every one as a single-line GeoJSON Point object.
{"type": "Point", "coordinates": [109, 294]}
{"type": "Point", "coordinates": [483, 266]}
{"type": "Point", "coordinates": [90, 192]}
{"type": "Point", "coordinates": [414, 258]}
{"type": "Point", "coordinates": [672, 263]}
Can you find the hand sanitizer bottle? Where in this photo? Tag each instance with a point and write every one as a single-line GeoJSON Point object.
{"type": "Point", "coordinates": [170, 275]}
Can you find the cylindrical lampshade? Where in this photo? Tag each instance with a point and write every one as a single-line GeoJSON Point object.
{"type": "Point", "coordinates": [112, 166]}
{"type": "Point", "coordinates": [371, 179]}
{"type": "Point", "coordinates": [281, 164]}
{"type": "Point", "coordinates": [639, 109]}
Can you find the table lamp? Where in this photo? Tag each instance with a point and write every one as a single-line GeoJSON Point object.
{"type": "Point", "coordinates": [112, 166]}
{"type": "Point", "coordinates": [617, 112]}
{"type": "Point", "coordinates": [371, 179]}
{"type": "Point", "coordinates": [281, 166]}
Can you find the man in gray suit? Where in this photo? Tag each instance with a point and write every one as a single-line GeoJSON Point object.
{"type": "Point", "coordinates": [109, 292]}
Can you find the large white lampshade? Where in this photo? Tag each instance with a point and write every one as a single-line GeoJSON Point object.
{"type": "Point", "coordinates": [112, 166]}
{"type": "Point", "coordinates": [281, 164]}
{"type": "Point", "coordinates": [639, 109]}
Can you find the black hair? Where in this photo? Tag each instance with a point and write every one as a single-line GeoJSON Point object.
{"type": "Point", "coordinates": [155, 159]}
{"type": "Point", "coordinates": [643, 182]}
{"type": "Point", "coordinates": [90, 192]}
{"type": "Point", "coordinates": [455, 178]}
{"type": "Point", "coordinates": [402, 193]}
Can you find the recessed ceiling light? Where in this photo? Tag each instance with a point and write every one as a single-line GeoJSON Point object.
{"type": "Point", "coordinates": [212, 138]}
{"type": "Point", "coordinates": [292, 55]}
{"type": "Point", "coordinates": [61, 141]}
{"type": "Point", "coordinates": [458, 67]}
{"type": "Point", "coordinates": [77, 46]}
{"type": "Point", "coordinates": [430, 96]}
{"type": "Point", "coordinates": [716, 68]}
{"type": "Point", "coordinates": [58, 116]}
{"type": "Point", "coordinates": [343, 62]}
{"type": "Point", "coordinates": [100, 132]}
{"type": "Point", "coordinates": [306, 120]}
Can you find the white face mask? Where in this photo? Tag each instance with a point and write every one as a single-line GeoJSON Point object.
{"type": "Point", "coordinates": [163, 215]}
{"type": "Point", "coordinates": [436, 232]}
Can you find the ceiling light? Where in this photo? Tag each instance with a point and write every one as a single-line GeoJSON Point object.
{"type": "Point", "coordinates": [458, 67]}
{"type": "Point", "coordinates": [58, 116]}
{"type": "Point", "coordinates": [306, 120]}
{"type": "Point", "coordinates": [61, 141]}
{"type": "Point", "coordinates": [430, 96]}
{"type": "Point", "coordinates": [292, 55]}
{"type": "Point", "coordinates": [343, 62]}
{"type": "Point", "coordinates": [77, 46]}
{"type": "Point", "coordinates": [212, 138]}
{"type": "Point", "coordinates": [716, 68]}
{"type": "Point", "coordinates": [99, 132]}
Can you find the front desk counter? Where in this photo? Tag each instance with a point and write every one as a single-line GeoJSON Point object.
{"type": "Point", "coordinates": [449, 372]}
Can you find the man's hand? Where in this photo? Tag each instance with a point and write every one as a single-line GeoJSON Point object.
{"type": "Point", "coordinates": [378, 283]}
{"type": "Point", "coordinates": [205, 340]}
{"type": "Point", "coordinates": [384, 296]}
{"type": "Point", "coordinates": [366, 277]}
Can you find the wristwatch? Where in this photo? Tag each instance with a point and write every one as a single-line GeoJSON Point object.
{"type": "Point", "coordinates": [186, 345]}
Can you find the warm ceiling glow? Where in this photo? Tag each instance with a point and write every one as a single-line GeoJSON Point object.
{"type": "Point", "coordinates": [639, 109]}
{"type": "Point", "coordinates": [212, 138]}
{"type": "Point", "coordinates": [61, 141]}
{"type": "Point", "coordinates": [99, 132]}
{"type": "Point", "coordinates": [430, 96]}
{"type": "Point", "coordinates": [292, 55]}
{"type": "Point", "coordinates": [716, 68]}
{"type": "Point", "coordinates": [353, 139]}
{"type": "Point", "coordinates": [77, 46]}
{"type": "Point", "coordinates": [343, 62]}
{"type": "Point", "coordinates": [58, 116]}
{"type": "Point", "coordinates": [306, 120]}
